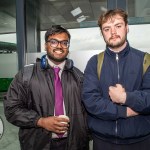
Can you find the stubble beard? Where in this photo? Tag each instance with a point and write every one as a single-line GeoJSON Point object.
{"type": "Point", "coordinates": [116, 45]}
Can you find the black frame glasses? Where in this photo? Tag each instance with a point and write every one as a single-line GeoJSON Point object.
{"type": "Point", "coordinates": [54, 43]}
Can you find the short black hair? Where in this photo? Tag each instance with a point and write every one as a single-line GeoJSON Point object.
{"type": "Point", "coordinates": [56, 29]}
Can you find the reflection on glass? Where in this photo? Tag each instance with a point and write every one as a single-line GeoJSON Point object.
{"type": "Point", "coordinates": [8, 69]}
{"type": "Point", "coordinates": [139, 11]}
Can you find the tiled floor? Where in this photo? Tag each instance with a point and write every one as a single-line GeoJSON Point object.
{"type": "Point", "coordinates": [9, 140]}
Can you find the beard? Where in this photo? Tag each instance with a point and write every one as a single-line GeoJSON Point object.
{"type": "Point", "coordinates": [55, 59]}
{"type": "Point", "coordinates": [115, 45]}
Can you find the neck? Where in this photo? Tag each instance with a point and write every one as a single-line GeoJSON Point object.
{"type": "Point", "coordinates": [56, 63]}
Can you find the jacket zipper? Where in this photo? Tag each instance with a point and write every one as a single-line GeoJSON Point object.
{"type": "Point", "coordinates": [117, 59]}
{"type": "Point", "coordinates": [118, 77]}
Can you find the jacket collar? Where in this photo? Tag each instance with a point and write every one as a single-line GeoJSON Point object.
{"type": "Point", "coordinates": [122, 53]}
{"type": "Point", "coordinates": [69, 64]}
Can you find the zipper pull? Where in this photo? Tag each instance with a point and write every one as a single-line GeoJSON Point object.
{"type": "Point", "coordinates": [117, 58]}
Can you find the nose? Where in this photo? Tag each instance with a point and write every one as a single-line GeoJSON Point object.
{"type": "Point", "coordinates": [113, 30]}
{"type": "Point", "coordinates": [59, 45]}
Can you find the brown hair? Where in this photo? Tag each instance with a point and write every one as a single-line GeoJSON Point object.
{"type": "Point", "coordinates": [110, 14]}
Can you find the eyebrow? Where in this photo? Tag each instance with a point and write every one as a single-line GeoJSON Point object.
{"type": "Point", "coordinates": [119, 24]}
{"type": "Point", "coordinates": [57, 40]}
{"type": "Point", "coordinates": [114, 25]}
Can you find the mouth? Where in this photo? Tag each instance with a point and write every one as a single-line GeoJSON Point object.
{"type": "Point", "coordinates": [58, 51]}
{"type": "Point", "coordinates": [114, 37]}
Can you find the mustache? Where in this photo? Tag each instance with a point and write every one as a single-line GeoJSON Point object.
{"type": "Point", "coordinates": [115, 36]}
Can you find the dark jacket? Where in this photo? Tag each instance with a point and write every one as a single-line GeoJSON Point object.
{"type": "Point", "coordinates": [24, 105]}
{"type": "Point", "coordinates": [108, 120]}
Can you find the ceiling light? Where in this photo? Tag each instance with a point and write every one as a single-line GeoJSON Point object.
{"type": "Point", "coordinates": [81, 18]}
{"type": "Point", "coordinates": [103, 9]}
{"type": "Point", "coordinates": [52, 0]}
{"type": "Point", "coordinates": [76, 11]}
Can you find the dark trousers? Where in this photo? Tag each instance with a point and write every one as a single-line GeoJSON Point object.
{"type": "Point", "coordinates": [99, 144]}
{"type": "Point", "coordinates": [58, 144]}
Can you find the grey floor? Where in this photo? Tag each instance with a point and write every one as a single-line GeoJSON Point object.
{"type": "Point", "coordinates": [9, 140]}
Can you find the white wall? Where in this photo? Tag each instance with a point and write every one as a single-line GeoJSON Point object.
{"type": "Point", "coordinates": [91, 38]}
{"type": "Point", "coordinates": [88, 41]}
{"type": "Point", "coordinates": [84, 43]}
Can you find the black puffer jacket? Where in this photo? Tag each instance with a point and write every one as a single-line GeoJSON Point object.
{"type": "Point", "coordinates": [24, 105]}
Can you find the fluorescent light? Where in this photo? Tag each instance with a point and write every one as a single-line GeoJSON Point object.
{"type": "Point", "coordinates": [103, 9]}
{"type": "Point", "coordinates": [81, 18]}
{"type": "Point", "coordinates": [76, 11]}
{"type": "Point", "coordinates": [52, 0]}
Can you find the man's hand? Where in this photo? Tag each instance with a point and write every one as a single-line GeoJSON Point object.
{"type": "Point", "coordinates": [117, 94]}
{"type": "Point", "coordinates": [131, 112]}
{"type": "Point", "coordinates": [55, 124]}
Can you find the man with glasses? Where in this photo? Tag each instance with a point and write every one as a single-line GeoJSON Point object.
{"type": "Point", "coordinates": [49, 111]}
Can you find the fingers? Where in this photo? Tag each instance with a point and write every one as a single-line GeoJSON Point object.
{"type": "Point", "coordinates": [63, 120]}
{"type": "Point", "coordinates": [111, 89]}
{"type": "Point", "coordinates": [61, 129]}
{"type": "Point", "coordinates": [117, 87]}
{"type": "Point", "coordinates": [54, 124]}
{"type": "Point", "coordinates": [60, 125]}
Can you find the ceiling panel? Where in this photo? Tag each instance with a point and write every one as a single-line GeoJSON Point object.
{"type": "Point", "coordinates": [59, 12]}
{"type": "Point", "coordinates": [7, 16]}
{"type": "Point", "coordinates": [51, 12]}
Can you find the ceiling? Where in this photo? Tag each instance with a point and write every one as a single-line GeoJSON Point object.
{"type": "Point", "coordinates": [7, 16]}
{"type": "Point", "coordinates": [69, 13]}
{"type": "Point", "coordinates": [52, 12]}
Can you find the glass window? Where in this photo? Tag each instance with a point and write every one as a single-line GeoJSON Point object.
{"type": "Point", "coordinates": [139, 11]}
{"type": "Point", "coordinates": [8, 69]}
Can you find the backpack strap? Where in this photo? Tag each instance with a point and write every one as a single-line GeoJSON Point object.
{"type": "Point", "coordinates": [27, 73]}
{"type": "Point", "coordinates": [100, 58]}
{"type": "Point", "coordinates": [146, 62]}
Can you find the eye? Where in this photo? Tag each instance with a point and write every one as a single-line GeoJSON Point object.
{"type": "Point", "coordinates": [106, 29]}
{"type": "Point", "coordinates": [53, 42]}
{"type": "Point", "coordinates": [64, 43]}
{"type": "Point", "coordinates": [119, 26]}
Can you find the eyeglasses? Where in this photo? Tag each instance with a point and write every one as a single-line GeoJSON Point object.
{"type": "Point", "coordinates": [54, 43]}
